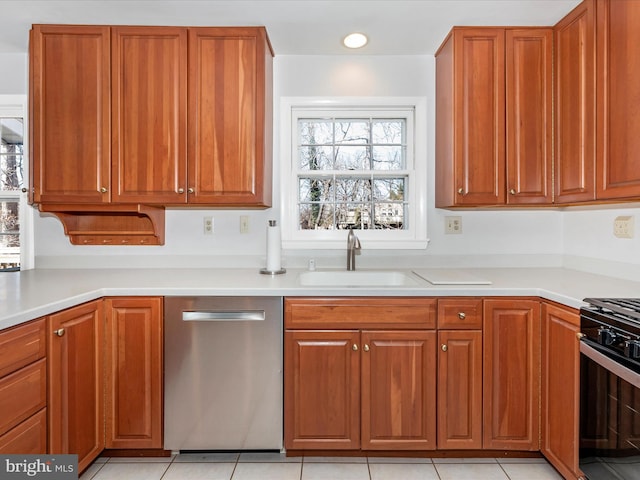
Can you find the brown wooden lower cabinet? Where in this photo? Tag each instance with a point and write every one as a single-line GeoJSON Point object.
{"type": "Point", "coordinates": [460, 389]}
{"type": "Point", "coordinates": [23, 389]}
{"type": "Point", "coordinates": [76, 382]}
{"type": "Point", "coordinates": [560, 388]}
{"type": "Point", "coordinates": [134, 387]}
{"type": "Point", "coordinates": [322, 390]}
{"type": "Point", "coordinates": [28, 438]}
{"type": "Point", "coordinates": [398, 390]}
{"type": "Point", "coordinates": [357, 383]}
{"type": "Point", "coordinates": [511, 374]}
{"type": "Point", "coordinates": [351, 390]}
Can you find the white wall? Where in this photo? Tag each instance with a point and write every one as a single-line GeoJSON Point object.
{"type": "Point", "coordinates": [13, 73]}
{"type": "Point", "coordinates": [490, 237]}
{"type": "Point", "coordinates": [488, 233]}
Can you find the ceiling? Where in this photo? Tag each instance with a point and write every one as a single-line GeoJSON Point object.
{"type": "Point", "coordinates": [295, 27]}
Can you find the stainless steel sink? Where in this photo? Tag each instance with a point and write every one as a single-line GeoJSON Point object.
{"type": "Point", "coordinates": [358, 278]}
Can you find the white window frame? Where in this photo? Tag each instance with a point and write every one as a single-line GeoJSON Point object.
{"type": "Point", "coordinates": [16, 106]}
{"type": "Point", "coordinates": [415, 236]}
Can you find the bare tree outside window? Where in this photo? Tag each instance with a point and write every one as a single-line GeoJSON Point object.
{"type": "Point", "coordinates": [352, 173]}
{"type": "Point", "coordinates": [11, 182]}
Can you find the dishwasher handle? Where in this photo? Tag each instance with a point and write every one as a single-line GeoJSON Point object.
{"type": "Point", "coordinates": [223, 315]}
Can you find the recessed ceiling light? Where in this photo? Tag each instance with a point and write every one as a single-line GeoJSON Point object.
{"type": "Point", "coordinates": [355, 40]}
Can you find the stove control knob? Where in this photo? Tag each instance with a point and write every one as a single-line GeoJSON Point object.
{"type": "Point", "coordinates": [632, 349]}
{"type": "Point", "coordinates": [606, 337]}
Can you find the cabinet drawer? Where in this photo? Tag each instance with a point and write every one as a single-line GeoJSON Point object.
{"type": "Point", "coordinates": [460, 313]}
{"type": "Point", "coordinates": [22, 394]}
{"type": "Point", "coordinates": [21, 345]}
{"type": "Point", "coordinates": [360, 312]}
{"type": "Point", "coordinates": [28, 438]}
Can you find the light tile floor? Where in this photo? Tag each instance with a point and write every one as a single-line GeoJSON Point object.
{"type": "Point", "coordinates": [274, 466]}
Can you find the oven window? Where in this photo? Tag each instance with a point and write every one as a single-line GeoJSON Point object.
{"type": "Point", "coordinates": [609, 424]}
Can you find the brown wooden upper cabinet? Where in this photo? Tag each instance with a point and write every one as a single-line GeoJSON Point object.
{"type": "Point", "coordinates": [151, 115]}
{"type": "Point", "coordinates": [618, 95]}
{"type": "Point", "coordinates": [493, 117]}
{"type": "Point", "coordinates": [597, 92]}
{"type": "Point", "coordinates": [575, 142]}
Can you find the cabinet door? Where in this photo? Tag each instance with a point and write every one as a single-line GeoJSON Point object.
{"type": "Point", "coordinates": [511, 343]}
{"type": "Point", "coordinates": [70, 113]}
{"type": "Point", "coordinates": [560, 388]}
{"type": "Point", "coordinates": [529, 64]}
{"type": "Point", "coordinates": [398, 390]}
{"type": "Point", "coordinates": [575, 105]}
{"type": "Point", "coordinates": [322, 390]}
{"type": "Point", "coordinates": [460, 389]}
{"type": "Point", "coordinates": [618, 35]}
{"type": "Point", "coordinates": [76, 388]}
{"type": "Point", "coordinates": [230, 89]}
{"type": "Point", "coordinates": [479, 89]}
{"type": "Point", "coordinates": [134, 337]}
{"type": "Point", "coordinates": [149, 105]}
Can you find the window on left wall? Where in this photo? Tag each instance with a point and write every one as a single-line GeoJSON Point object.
{"type": "Point", "coordinates": [15, 241]}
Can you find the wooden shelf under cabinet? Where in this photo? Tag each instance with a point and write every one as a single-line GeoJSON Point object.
{"type": "Point", "coordinates": [110, 225]}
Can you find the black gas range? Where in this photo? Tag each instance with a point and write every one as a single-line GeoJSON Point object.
{"type": "Point", "coordinates": [612, 326]}
{"type": "Point", "coordinates": [609, 443]}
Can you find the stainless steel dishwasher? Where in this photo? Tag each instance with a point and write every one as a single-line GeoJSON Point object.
{"type": "Point", "coordinates": [223, 373]}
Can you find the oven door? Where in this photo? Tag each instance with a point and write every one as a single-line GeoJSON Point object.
{"type": "Point", "coordinates": [609, 416]}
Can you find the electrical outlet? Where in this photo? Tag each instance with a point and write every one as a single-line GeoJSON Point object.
{"type": "Point", "coordinates": [623, 226]}
{"type": "Point", "coordinates": [244, 223]}
{"type": "Point", "coordinates": [452, 225]}
{"type": "Point", "coordinates": [207, 223]}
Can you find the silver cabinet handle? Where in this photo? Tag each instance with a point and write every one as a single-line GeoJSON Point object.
{"type": "Point", "coordinates": [462, 315]}
{"type": "Point", "coordinates": [223, 316]}
{"type": "Point", "coordinates": [354, 347]}
{"type": "Point", "coordinates": [191, 190]}
{"type": "Point", "coordinates": [444, 348]}
{"type": "Point", "coordinates": [366, 347]}
{"type": "Point", "coordinates": [59, 332]}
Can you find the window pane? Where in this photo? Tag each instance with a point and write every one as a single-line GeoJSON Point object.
{"type": "Point", "coordinates": [389, 158]}
{"type": "Point", "coordinates": [316, 190]}
{"type": "Point", "coordinates": [352, 158]}
{"type": "Point", "coordinates": [316, 158]}
{"type": "Point", "coordinates": [354, 215]}
{"type": "Point", "coordinates": [315, 132]}
{"type": "Point", "coordinates": [389, 216]}
{"type": "Point", "coordinates": [353, 189]}
{"type": "Point", "coordinates": [9, 235]}
{"type": "Point", "coordinates": [389, 189]}
{"type": "Point", "coordinates": [388, 131]}
{"type": "Point", "coordinates": [11, 153]}
{"type": "Point", "coordinates": [316, 216]}
{"type": "Point", "coordinates": [352, 131]}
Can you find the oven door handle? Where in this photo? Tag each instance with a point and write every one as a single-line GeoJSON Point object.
{"type": "Point", "coordinates": [611, 365]}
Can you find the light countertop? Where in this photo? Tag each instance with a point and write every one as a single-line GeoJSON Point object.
{"type": "Point", "coordinates": [31, 294]}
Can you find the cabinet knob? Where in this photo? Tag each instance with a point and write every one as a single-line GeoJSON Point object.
{"type": "Point", "coordinates": [366, 347]}
{"type": "Point", "coordinates": [580, 335]}
{"type": "Point", "coordinates": [461, 191]}
{"type": "Point", "coordinates": [59, 332]}
{"type": "Point", "coordinates": [462, 315]}
{"type": "Point", "coordinates": [25, 190]}
{"type": "Point", "coordinates": [103, 190]}
{"type": "Point", "coordinates": [512, 191]}
{"type": "Point", "coordinates": [444, 348]}
{"type": "Point", "coordinates": [191, 190]}
{"type": "Point", "coordinates": [181, 190]}
{"type": "Point", "coordinates": [354, 347]}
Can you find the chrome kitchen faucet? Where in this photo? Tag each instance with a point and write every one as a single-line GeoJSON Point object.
{"type": "Point", "coordinates": [353, 244]}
